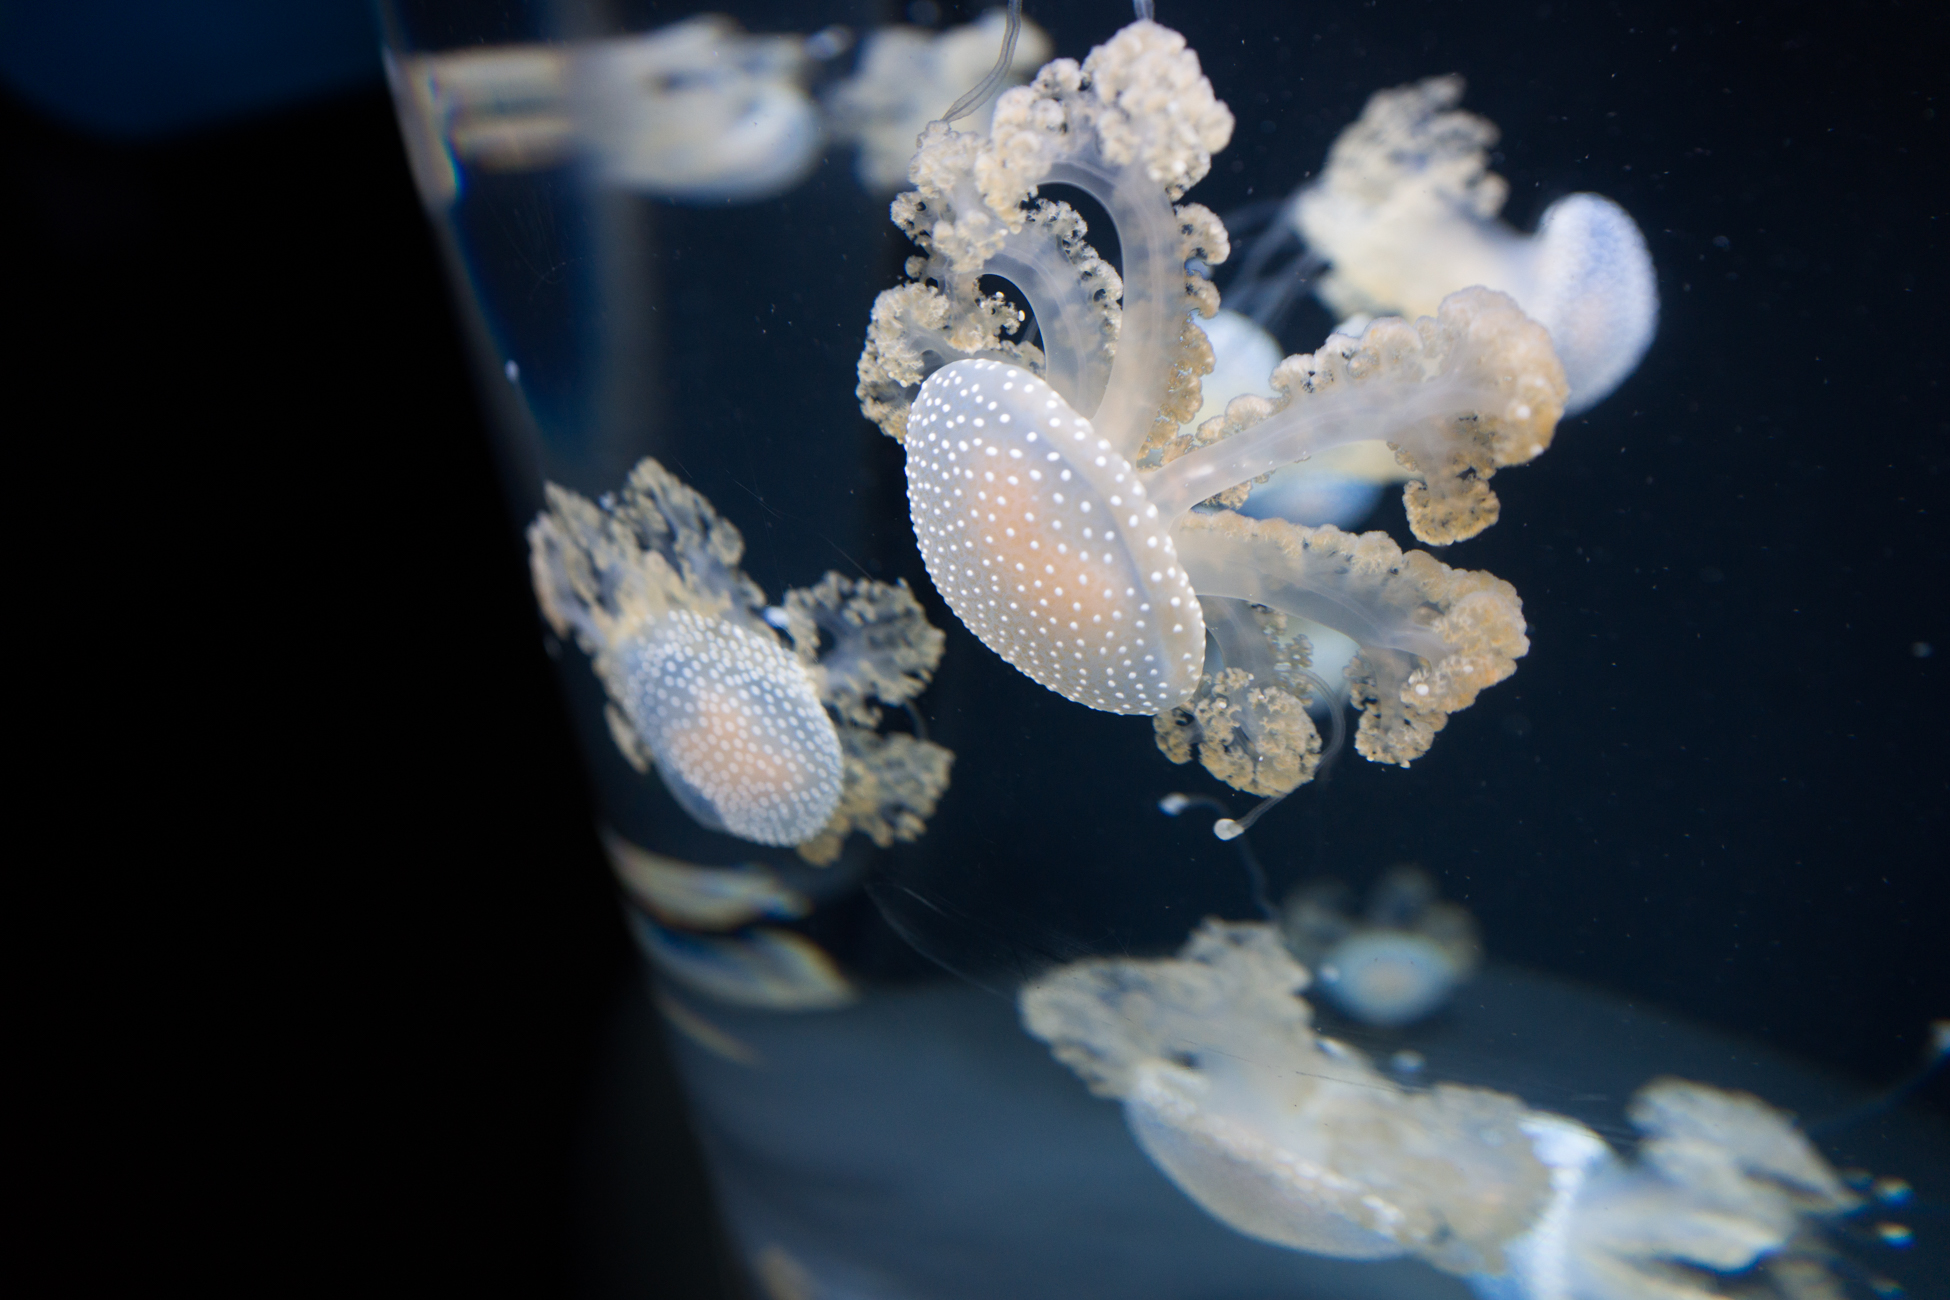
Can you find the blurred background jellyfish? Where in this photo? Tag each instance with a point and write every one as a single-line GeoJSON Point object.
{"type": "Point", "coordinates": [1084, 534]}
{"type": "Point", "coordinates": [1405, 213]}
{"type": "Point", "coordinates": [771, 739]}
{"type": "Point", "coordinates": [699, 111]}
{"type": "Point", "coordinates": [1297, 1140]}
{"type": "Point", "coordinates": [1397, 961]}
{"type": "Point", "coordinates": [908, 76]}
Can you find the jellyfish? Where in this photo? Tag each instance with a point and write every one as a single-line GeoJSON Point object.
{"type": "Point", "coordinates": [698, 111]}
{"type": "Point", "coordinates": [775, 740]}
{"type": "Point", "coordinates": [1398, 962]}
{"type": "Point", "coordinates": [1296, 1139]}
{"type": "Point", "coordinates": [1405, 213]}
{"type": "Point", "coordinates": [906, 78]}
{"type": "Point", "coordinates": [1082, 533]}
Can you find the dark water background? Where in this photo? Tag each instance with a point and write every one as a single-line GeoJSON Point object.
{"type": "Point", "coordinates": [1717, 784]}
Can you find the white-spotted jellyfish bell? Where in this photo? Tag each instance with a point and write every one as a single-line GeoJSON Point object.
{"type": "Point", "coordinates": [1397, 960]}
{"type": "Point", "coordinates": [773, 738]}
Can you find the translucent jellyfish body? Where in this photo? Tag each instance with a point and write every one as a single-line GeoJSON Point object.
{"type": "Point", "coordinates": [1068, 516]}
{"type": "Point", "coordinates": [1397, 961]}
{"type": "Point", "coordinates": [1405, 213]}
{"type": "Point", "coordinates": [776, 743]}
{"type": "Point", "coordinates": [1339, 486]}
{"type": "Point", "coordinates": [1297, 1140]}
{"type": "Point", "coordinates": [698, 111]}
{"type": "Point", "coordinates": [908, 76]}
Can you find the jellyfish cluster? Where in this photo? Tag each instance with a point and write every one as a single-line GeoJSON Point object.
{"type": "Point", "coordinates": [1074, 521]}
{"type": "Point", "coordinates": [763, 721]}
{"type": "Point", "coordinates": [1085, 502]}
{"type": "Point", "coordinates": [1296, 1139]}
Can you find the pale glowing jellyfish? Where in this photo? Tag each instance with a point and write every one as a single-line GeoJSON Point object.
{"type": "Point", "coordinates": [908, 76]}
{"type": "Point", "coordinates": [1055, 495]}
{"type": "Point", "coordinates": [1405, 213]}
{"type": "Point", "coordinates": [1295, 1139]}
{"type": "Point", "coordinates": [699, 111]}
{"type": "Point", "coordinates": [1398, 961]}
{"type": "Point", "coordinates": [771, 742]}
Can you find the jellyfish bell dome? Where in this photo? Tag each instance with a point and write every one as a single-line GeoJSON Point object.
{"type": "Point", "coordinates": [1387, 977]}
{"type": "Point", "coordinates": [1593, 288]}
{"type": "Point", "coordinates": [736, 728]}
{"type": "Point", "coordinates": [699, 111]}
{"type": "Point", "coordinates": [1038, 533]}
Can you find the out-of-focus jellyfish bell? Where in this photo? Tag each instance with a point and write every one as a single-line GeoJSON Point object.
{"type": "Point", "coordinates": [699, 111]}
{"type": "Point", "coordinates": [776, 744]}
{"type": "Point", "coordinates": [1398, 962]}
{"type": "Point", "coordinates": [1720, 1189]}
{"type": "Point", "coordinates": [908, 76]}
{"type": "Point", "coordinates": [1297, 1140]}
{"type": "Point", "coordinates": [1405, 213]}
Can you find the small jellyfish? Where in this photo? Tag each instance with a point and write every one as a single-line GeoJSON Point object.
{"type": "Point", "coordinates": [698, 111]}
{"type": "Point", "coordinates": [908, 76]}
{"type": "Point", "coordinates": [1297, 1140]}
{"type": "Point", "coordinates": [1398, 962]}
{"type": "Point", "coordinates": [1405, 213]}
{"type": "Point", "coordinates": [1074, 523]}
{"type": "Point", "coordinates": [774, 742]}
